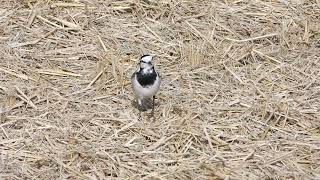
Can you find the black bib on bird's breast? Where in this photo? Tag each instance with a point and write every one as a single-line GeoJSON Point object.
{"type": "Point", "coordinates": [146, 79]}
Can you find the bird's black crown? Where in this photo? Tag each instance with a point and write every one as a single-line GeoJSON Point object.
{"type": "Point", "coordinates": [145, 55]}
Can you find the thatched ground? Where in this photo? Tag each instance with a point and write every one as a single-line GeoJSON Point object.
{"type": "Point", "coordinates": [240, 96]}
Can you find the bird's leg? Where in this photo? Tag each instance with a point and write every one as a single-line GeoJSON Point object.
{"type": "Point", "coordinates": [153, 98]}
{"type": "Point", "coordinates": [139, 118]}
{"type": "Point", "coordinates": [140, 103]}
{"type": "Point", "coordinates": [139, 108]}
{"type": "Point", "coordinates": [142, 106]}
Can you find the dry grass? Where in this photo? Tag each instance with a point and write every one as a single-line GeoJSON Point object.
{"type": "Point", "coordinates": [240, 96]}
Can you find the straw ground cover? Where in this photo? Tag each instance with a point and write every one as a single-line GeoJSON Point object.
{"type": "Point", "coordinates": [239, 97]}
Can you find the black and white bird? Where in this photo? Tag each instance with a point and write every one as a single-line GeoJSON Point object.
{"type": "Point", "coordinates": [145, 82]}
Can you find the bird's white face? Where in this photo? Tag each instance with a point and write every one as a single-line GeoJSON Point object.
{"type": "Point", "coordinates": [146, 62]}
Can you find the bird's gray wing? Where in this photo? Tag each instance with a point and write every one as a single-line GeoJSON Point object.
{"type": "Point", "coordinates": [133, 76]}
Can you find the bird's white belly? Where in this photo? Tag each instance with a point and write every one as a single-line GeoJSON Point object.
{"type": "Point", "coordinates": [147, 91]}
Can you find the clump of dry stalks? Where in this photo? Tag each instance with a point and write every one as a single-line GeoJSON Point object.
{"type": "Point", "coordinates": [239, 99]}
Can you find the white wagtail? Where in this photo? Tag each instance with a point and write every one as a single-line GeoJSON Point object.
{"type": "Point", "coordinates": [145, 81]}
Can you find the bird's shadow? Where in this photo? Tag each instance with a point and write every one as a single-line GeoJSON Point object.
{"type": "Point", "coordinates": [146, 104]}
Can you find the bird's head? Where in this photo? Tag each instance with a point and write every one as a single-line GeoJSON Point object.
{"type": "Point", "coordinates": [146, 61]}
